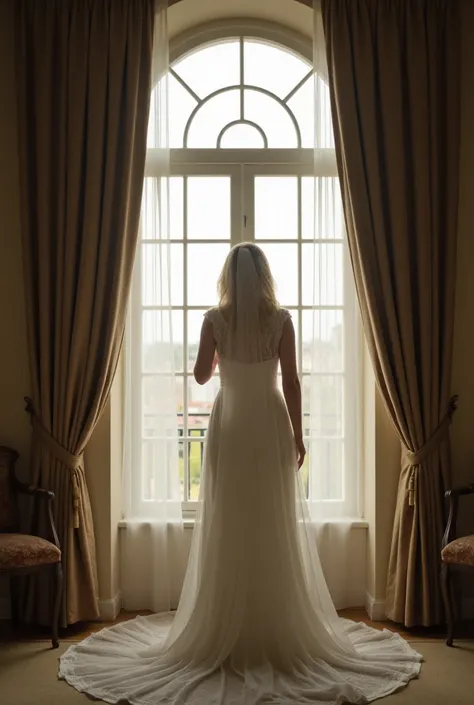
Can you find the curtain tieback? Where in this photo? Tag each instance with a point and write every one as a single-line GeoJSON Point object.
{"type": "Point", "coordinates": [72, 461]}
{"type": "Point", "coordinates": [416, 457]}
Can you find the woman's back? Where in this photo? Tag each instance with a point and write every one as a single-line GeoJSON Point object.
{"type": "Point", "coordinates": [255, 338]}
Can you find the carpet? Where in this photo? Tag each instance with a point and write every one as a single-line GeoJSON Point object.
{"type": "Point", "coordinates": [28, 676]}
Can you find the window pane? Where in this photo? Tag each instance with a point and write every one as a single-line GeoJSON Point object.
{"type": "Point", "coordinates": [325, 136]}
{"type": "Point", "coordinates": [242, 136]}
{"type": "Point", "coordinates": [328, 215]}
{"type": "Point", "coordinates": [212, 117]}
{"type": "Point", "coordinates": [157, 134]}
{"type": "Point", "coordinates": [323, 274]}
{"type": "Point", "coordinates": [304, 472]}
{"type": "Point", "coordinates": [156, 390]}
{"type": "Point", "coordinates": [323, 398]}
{"type": "Point", "coordinates": [148, 212]}
{"type": "Point", "coordinates": [156, 337]}
{"type": "Point", "coordinates": [195, 321]}
{"type": "Point", "coordinates": [195, 456]}
{"type": "Point", "coordinates": [180, 408]}
{"type": "Point", "coordinates": [154, 208]}
{"type": "Point", "coordinates": [205, 263]}
{"type": "Point", "coordinates": [272, 67]}
{"type": "Point", "coordinates": [271, 117]}
{"type": "Point", "coordinates": [327, 469]}
{"type": "Point", "coordinates": [212, 67]}
{"type": "Point", "coordinates": [176, 208]}
{"type": "Point", "coordinates": [180, 106]}
{"type": "Point", "coordinates": [283, 259]}
{"type": "Point", "coordinates": [149, 453]}
{"type": "Point", "coordinates": [181, 467]}
{"type": "Point", "coordinates": [323, 341]}
{"type": "Point", "coordinates": [302, 105]}
{"type": "Point", "coordinates": [208, 215]}
{"type": "Point", "coordinates": [200, 401]}
{"type": "Point", "coordinates": [158, 282]}
{"type": "Point", "coordinates": [276, 207]}
{"type": "Point", "coordinates": [153, 217]}
{"type": "Point", "coordinates": [158, 481]}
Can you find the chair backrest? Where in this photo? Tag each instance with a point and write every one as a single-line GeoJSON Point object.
{"type": "Point", "coordinates": [9, 516]}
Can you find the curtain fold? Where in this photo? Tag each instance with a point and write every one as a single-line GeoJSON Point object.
{"type": "Point", "coordinates": [153, 552]}
{"type": "Point", "coordinates": [394, 71]}
{"type": "Point", "coordinates": [83, 77]}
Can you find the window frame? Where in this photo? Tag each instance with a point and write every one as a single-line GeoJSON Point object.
{"type": "Point", "coordinates": [215, 161]}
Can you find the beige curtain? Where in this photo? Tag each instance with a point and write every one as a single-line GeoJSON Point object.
{"type": "Point", "coordinates": [83, 76]}
{"type": "Point", "coordinates": [394, 70]}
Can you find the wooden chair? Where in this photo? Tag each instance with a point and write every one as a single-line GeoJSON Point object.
{"type": "Point", "coordinates": [22, 554]}
{"type": "Point", "coordinates": [454, 552]}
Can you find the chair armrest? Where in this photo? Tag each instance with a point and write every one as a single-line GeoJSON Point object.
{"type": "Point", "coordinates": [35, 491]}
{"type": "Point", "coordinates": [38, 492]}
{"type": "Point", "coordinates": [458, 491]}
{"type": "Point", "coordinates": [453, 496]}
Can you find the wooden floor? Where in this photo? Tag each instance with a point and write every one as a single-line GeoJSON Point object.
{"type": "Point", "coordinates": [80, 631]}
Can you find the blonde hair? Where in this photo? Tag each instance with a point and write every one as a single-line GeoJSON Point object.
{"type": "Point", "coordinates": [226, 285]}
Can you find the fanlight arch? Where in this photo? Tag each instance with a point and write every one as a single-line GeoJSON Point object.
{"type": "Point", "coordinates": [245, 91]}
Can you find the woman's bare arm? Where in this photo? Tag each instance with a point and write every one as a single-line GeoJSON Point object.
{"type": "Point", "coordinates": [291, 385]}
{"type": "Point", "coordinates": [207, 358]}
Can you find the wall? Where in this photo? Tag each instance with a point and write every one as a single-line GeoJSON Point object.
{"type": "Point", "coordinates": [104, 453]}
{"type": "Point", "coordinates": [190, 13]}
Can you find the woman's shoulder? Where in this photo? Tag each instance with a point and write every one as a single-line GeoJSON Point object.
{"type": "Point", "coordinates": [214, 315]}
{"type": "Point", "coordinates": [283, 314]}
{"type": "Point", "coordinates": [210, 313]}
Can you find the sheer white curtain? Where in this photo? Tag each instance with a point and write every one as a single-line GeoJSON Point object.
{"type": "Point", "coordinates": [334, 445]}
{"type": "Point", "coordinates": [152, 559]}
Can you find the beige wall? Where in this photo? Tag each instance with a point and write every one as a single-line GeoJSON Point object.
{"type": "Point", "coordinates": [190, 13]}
{"type": "Point", "coordinates": [104, 453]}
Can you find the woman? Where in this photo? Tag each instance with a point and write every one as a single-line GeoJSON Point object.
{"type": "Point", "coordinates": [255, 621]}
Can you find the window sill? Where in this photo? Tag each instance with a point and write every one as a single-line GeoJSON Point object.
{"type": "Point", "coordinates": [189, 522]}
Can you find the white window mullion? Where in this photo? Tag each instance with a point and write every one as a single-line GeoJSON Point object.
{"type": "Point", "coordinates": [185, 342]}
{"type": "Point", "coordinates": [300, 284]}
{"type": "Point", "coordinates": [237, 230]}
{"type": "Point", "coordinates": [248, 203]}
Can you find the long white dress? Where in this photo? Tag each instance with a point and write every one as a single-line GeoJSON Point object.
{"type": "Point", "coordinates": [255, 623]}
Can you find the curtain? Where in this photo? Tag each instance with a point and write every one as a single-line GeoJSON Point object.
{"type": "Point", "coordinates": [394, 71]}
{"type": "Point", "coordinates": [153, 556]}
{"type": "Point", "coordinates": [83, 77]}
{"type": "Point", "coordinates": [332, 366]}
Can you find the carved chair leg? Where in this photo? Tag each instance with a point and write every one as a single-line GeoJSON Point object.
{"type": "Point", "coordinates": [446, 589]}
{"type": "Point", "coordinates": [58, 580]}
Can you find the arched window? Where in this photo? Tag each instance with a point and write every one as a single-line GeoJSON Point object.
{"type": "Point", "coordinates": [244, 92]}
{"type": "Point", "coordinates": [242, 128]}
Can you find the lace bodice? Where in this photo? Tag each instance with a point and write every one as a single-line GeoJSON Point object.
{"type": "Point", "coordinates": [271, 332]}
